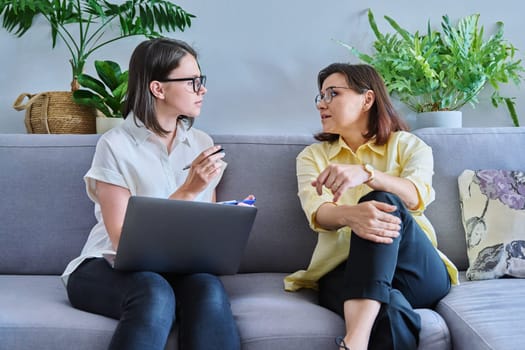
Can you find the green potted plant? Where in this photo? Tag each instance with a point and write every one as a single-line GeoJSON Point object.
{"type": "Point", "coordinates": [106, 94]}
{"type": "Point", "coordinates": [443, 71]}
{"type": "Point", "coordinates": [85, 26]}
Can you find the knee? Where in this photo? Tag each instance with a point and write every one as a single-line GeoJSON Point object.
{"type": "Point", "coordinates": [207, 288]}
{"type": "Point", "coordinates": [382, 196]}
{"type": "Point", "coordinates": [153, 294]}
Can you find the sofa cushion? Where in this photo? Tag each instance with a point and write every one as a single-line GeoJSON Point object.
{"type": "Point", "coordinates": [455, 150]}
{"type": "Point", "coordinates": [493, 208]}
{"type": "Point", "coordinates": [46, 214]}
{"type": "Point", "coordinates": [270, 318]}
{"type": "Point", "coordinates": [36, 314]}
{"type": "Point", "coordinates": [281, 240]}
{"type": "Point", "coordinates": [485, 315]}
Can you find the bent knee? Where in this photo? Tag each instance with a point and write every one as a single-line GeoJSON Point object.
{"type": "Point", "coordinates": [206, 288]}
{"type": "Point", "coordinates": [381, 196]}
{"type": "Point", "coordinates": [153, 289]}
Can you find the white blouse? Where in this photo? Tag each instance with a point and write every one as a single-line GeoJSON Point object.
{"type": "Point", "coordinates": [130, 156]}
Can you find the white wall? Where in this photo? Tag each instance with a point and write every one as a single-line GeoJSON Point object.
{"type": "Point", "coordinates": [261, 58]}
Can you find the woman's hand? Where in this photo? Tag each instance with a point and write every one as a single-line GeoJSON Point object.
{"type": "Point", "coordinates": [369, 220]}
{"type": "Point", "coordinates": [202, 171]}
{"type": "Point", "coordinates": [372, 221]}
{"type": "Point", "coordinates": [338, 178]}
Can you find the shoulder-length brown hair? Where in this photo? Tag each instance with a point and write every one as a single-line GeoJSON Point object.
{"type": "Point", "coordinates": [383, 118]}
{"type": "Point", "coordinates": [152, 60]}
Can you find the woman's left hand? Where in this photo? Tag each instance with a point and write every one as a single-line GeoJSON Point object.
{"type": "Point", "coordinates": [339, 177]}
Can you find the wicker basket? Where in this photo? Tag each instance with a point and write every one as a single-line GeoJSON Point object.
{"type": "Point", "coordinates": [55, 112]}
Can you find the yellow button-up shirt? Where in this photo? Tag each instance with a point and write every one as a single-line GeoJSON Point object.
{"type": "Point", "coordinates": [404, 155]}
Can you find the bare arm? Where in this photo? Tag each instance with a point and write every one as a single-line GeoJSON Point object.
{"type": "Point", "coordinates": [113, 202]}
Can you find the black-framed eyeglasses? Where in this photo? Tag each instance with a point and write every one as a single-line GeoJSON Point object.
{"type": "Point", "coordinates": [328, 94]}
{"type": "Point", "coordinates": [197, 82]}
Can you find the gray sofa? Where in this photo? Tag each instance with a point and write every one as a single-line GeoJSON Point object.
{"type": "Point", "coordinates": [45, 217]}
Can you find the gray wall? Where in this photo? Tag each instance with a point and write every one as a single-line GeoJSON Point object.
{"type": "Point", "coordinates": [261, 58]}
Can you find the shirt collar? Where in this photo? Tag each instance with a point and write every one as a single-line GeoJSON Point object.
{"type": "Point", "coordinates": [138, 131]}
{"type": "Point", "coordinates": [340, 144]}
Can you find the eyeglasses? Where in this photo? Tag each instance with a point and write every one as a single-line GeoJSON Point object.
{"type": "Point", "coordinates": [329, 94]}
{"type": "Point", "coordinates": [197, 82]}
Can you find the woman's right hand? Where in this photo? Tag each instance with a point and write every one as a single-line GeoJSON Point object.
{"type": "Point", "coordinates": [202, 171]}
{"type": "Point", "coordinates": [372, 220]}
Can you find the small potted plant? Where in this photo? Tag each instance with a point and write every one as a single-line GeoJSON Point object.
{"type": "Point", "coordinates": [84, 26]}
{"type": "Point", "coordinates": [106, 94]}
{"type": "Point", "coordinates": [442, 71]}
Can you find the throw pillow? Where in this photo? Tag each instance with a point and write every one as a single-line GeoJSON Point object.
{"type": "Point", "coordinates": [493, 214]}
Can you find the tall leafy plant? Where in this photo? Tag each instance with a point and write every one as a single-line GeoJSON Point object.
{"type": "Point", "coordinates": [87, 25]}
{"type": "Point", "coordinates": [444, 70]}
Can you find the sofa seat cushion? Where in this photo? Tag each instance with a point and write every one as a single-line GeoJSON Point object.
{"type": "Point", "coordinates": [485, 314]}
{"type": "Point", "coordinates": [270, 318]}
{"type": "Point", "coordinates": [35, 314]}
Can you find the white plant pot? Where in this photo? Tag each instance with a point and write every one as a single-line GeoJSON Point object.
{"type": "Point", "coordinates": [105, 123]}
{"type": "Point", "coordinates": [440, 119]}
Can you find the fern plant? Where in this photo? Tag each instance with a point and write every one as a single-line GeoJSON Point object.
{"type": "Point", "coordinates": [84, 25]}
{"type": "Point", "coordinates": [439, 71]}
{"type": "Point", "coordinates": [106, 94]}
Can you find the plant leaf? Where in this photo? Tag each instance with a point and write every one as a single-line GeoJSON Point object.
{"type": "Point", "coordinates": [108, 72]}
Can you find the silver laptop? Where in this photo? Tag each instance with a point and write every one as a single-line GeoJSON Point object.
{"type": "Point", "coordinates": [164, 235]}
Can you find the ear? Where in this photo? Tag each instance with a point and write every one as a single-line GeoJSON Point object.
{"type": "Point", "coordinates": [156, 89]}
{"type": "Point", "coordinates": [369, 100]}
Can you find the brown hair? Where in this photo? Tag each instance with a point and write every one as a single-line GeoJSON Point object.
{"type": "Point", "coordinates": [152, 60]}
{"type": "Point", "coordinates": [383, 119]}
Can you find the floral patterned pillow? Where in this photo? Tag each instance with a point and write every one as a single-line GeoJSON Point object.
{"type": "Point", "coordinates": [493, 213]}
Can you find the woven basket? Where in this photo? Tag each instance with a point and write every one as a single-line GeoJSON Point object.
{"type": "Point", "coordinates": [55, 112]}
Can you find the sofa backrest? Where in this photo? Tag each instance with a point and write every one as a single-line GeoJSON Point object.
{"type": "Point", "coordinates": [281, 240]}
{"type": "Point", "coordinates": [455, 150]}
{"type": "Point", "coordinates": [45, 214]}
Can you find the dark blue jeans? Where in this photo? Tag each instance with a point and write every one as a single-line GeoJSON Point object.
{"type": "Point", "coordinates": [145, 304]}
{"type": "Point", "coordinates": [403, 275]}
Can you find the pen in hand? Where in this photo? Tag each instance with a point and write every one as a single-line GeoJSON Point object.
{"type": "Point", "coordinates": [217, 151]}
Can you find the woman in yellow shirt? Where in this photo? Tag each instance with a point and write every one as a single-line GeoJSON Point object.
{"type": "Point", "coordinates": [364, 188]}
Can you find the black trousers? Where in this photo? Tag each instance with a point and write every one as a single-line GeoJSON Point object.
{"type": "Point", "coordinates": [404, 275]}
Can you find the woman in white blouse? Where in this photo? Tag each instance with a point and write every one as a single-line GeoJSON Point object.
{"type": "Point", "coordinates": [146, 156]}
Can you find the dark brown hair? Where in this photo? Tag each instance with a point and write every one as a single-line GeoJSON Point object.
{"type": "Point", "coordinates": [152, 60]}
{"type": "Point", "coordinates": [383, 118]}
